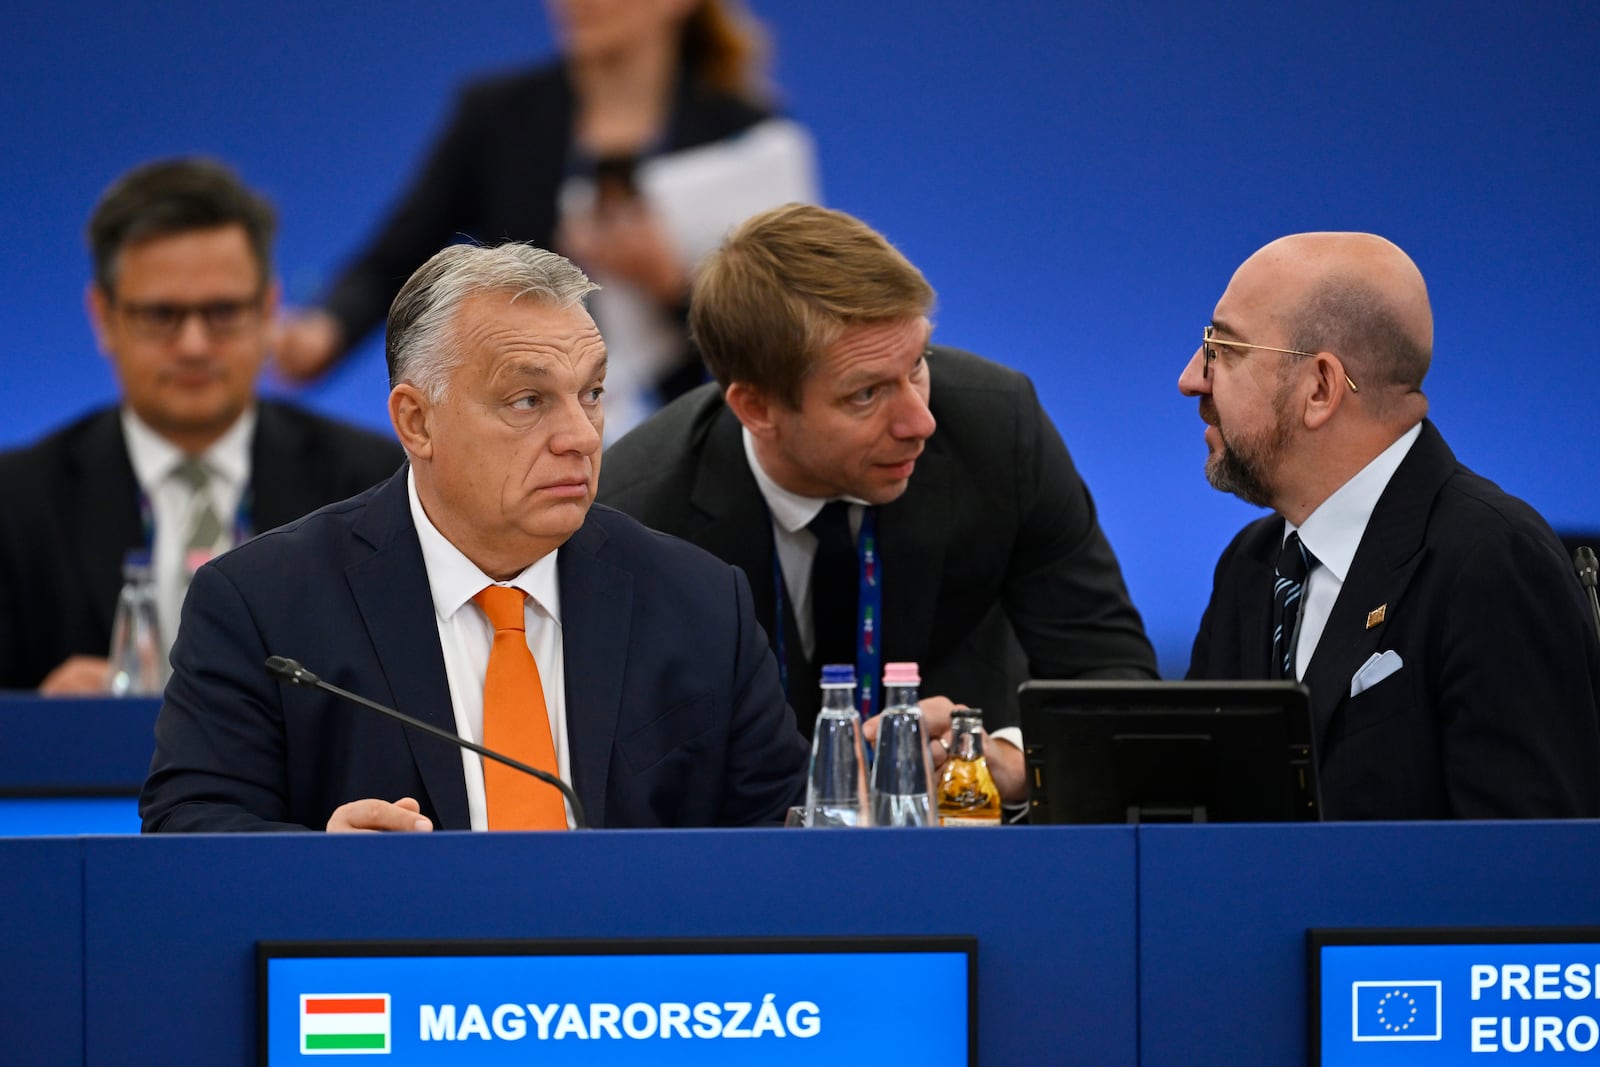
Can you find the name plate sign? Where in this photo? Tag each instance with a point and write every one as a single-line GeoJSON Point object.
{"type": "Point", "coordinates": [582, 1003]}
{"type": "Point", "coordinates": [1423, 998]}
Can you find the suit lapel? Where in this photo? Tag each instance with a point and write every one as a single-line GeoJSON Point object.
{"type": "Point", "coordinates": [289, 478]}
{"type": "Point", "coordinates": [730, 517]}
{"type": "Point", "coordinates": [596, 616]}
{"type": "Point", "coordinates": [731, 522]}
{"type": "Point", "coordinates": [1255, 613]}
{"type": "Point", "coordinates": [1388, 556]}
{"type": "Point", "coordinates": [390, 587]}
{"type": "Point", "coordinates": [103, 511]}
{"type": "Point", "coordinates": [277, 475]}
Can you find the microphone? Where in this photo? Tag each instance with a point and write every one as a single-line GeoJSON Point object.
{"type": "Point", "coordinates": [291, 672]}
{"type": "Point", "coordinates": [1588, 571]}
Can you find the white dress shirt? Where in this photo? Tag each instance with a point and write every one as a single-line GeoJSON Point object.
{"type": "Point", "coordinates": [466, 636]}
{"type": "Point", "coordinates": [797, 551]}
{"type": "Point", "coordinates": [1332, 533]}
{"type": "Point", "coordinates": [155, 462]}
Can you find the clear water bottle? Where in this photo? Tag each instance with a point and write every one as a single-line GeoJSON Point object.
{"type": "Point", "coordinates": [836, 789]}
{"type": "Point", "coordinates": [902, 772]}
{"type": "Point", "coordinates": [137, 667]}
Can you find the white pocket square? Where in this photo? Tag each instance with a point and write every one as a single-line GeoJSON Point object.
{"type": "Point", "coordinates": [1378, 667]}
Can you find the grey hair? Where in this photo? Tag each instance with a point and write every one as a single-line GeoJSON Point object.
{"type": "Point", "coordinates": [421, 345]}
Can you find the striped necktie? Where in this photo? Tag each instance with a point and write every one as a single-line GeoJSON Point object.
{"type": "Point", "coordinates": [205, 527]}
{"type": "Point", "coordinates": [1294, 563]}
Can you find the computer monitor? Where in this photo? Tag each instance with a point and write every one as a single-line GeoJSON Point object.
{"type": "Point", "coordinates": [1113, 752]}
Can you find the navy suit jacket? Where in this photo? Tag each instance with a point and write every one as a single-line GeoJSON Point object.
{"type": "Point", "coordinates": [1495, 712]}
{"type": "Point", "coordinates": [674, 712]}
{"type": "Point", "coordinates": [71, 514]}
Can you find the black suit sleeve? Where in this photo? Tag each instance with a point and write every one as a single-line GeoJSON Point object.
{"type": "Point", "coordinates": [1064, 591]}
{"type": "Point", "coordinates": [220, 756]}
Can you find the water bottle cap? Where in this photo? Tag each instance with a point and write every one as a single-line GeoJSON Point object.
{"type": "Point", "coordinates": [136, 557]}
{"type": "Point", "coordinates": [838, 674]}
{"type": "Point", "coordinates": [901, 674]}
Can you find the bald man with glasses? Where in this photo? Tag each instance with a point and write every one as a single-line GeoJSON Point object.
{"type": "Point", "coordinates": [1453, 667]}
{"type": "Point", "coordinates": [190, 461]}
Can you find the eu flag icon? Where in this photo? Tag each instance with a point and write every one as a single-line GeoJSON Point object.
{"type": "Point", "coordinates": [1395, 1011]}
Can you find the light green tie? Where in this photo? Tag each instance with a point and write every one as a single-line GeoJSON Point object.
{"type": "Point", "coordinates": [205, 528]}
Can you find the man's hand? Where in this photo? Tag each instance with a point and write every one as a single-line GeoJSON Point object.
{"type": "Point", "coordinates": [628, 242]}
{"type": "Point", "coordinates": [77, 676]}
{"type": "Point", "coordinates": [377, 815]}
{"type": "Point", "coordinates": [1004, 759]}
{"type": "Point", "coordinates": [305, 344]}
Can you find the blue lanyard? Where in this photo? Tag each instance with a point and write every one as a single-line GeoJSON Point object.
{"type": "Point", "coordinates": [869, 616]}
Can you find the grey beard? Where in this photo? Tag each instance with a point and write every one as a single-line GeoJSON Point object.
{"type": "Point", "coordinates": [1233, 473]}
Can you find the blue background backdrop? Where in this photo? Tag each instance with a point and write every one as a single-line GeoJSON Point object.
{"type": "Point", "coordinates": [1077, 180]}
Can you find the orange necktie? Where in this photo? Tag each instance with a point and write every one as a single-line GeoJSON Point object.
{"type": "Point", "coordinates": [516, 722]}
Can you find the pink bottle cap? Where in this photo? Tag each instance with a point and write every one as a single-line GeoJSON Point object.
{"type": "Point", "coordinates": [901, 674]}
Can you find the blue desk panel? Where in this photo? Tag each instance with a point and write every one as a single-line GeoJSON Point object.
{"type": "Point", "coordinates": [174, 920]}
{"type": "Point", "coordinates": [68, 816]}
{"type": "Point", "coordinates": [1224, 912]}
{"type": "Point", "coordinates": [78, 746]}
{"type": "Point", "coordinates": [41, 952]}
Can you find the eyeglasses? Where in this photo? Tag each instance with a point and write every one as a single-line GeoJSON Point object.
{"type": "Point", "coordinates": [1208, 354]}
{"type": "Point", "coordinates": [163, 322]}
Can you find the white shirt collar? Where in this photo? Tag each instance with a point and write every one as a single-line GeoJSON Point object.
{"type": "Point", "coordinates": [454, 579]}
{"type": "Point", "coordinates": [791, 511]}
{"type": "Point", "coordinates": [1333, 532]}
{"type": "Point", "coordinates": [154, 457]}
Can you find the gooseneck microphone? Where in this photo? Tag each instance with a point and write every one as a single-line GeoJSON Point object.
{"type": "Point", "coordinates": [291, 672]}
{"type": "Point", "coordinates": [1588, 572]}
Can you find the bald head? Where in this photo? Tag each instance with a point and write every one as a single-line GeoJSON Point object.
{"type": "Point", "coordinates": [1356, 295]}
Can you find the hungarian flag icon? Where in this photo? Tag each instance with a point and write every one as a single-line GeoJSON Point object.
{"type": "Point", "coordinates": [344, 1023]}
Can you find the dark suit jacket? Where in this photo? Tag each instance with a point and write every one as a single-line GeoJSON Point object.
{"type": "Point", "coordinates": [494, 175]}
{"type": "Point", "coordinates": [674, 714]}
{"type": "Point", "coordinates": [71, 513]}
{"type": "Point", "coordinates": [995, 525]}
{"type": "Point", "coordinates": [1496, 710]}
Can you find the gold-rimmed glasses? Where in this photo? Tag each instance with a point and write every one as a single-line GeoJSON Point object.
{"type": "Point", "coordinates": [1208, 353]}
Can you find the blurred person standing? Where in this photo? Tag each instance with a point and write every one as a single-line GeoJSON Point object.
{"type": "Point", "coordinates": [632, 153]}
{"type": "Point", "coordinates": [189, 462]}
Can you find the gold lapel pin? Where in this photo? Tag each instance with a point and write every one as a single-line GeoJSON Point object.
{"type": "Point", "coordinates": [1375, 616]}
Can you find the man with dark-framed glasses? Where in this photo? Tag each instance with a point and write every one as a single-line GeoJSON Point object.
{"type": "Point", "coordinates": [189, 462]}
{"type": "Point", "coordinates": [1441, 629]}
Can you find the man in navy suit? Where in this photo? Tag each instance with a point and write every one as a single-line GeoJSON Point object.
{"type": "Point", "coordinates": [1453, 667]}
{"type": "Point", "coordinates": [662, 700]}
